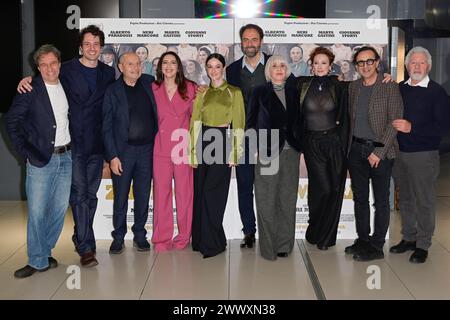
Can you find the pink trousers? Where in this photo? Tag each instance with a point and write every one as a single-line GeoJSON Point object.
{"type": "Point", "coordinates": [163, 223]}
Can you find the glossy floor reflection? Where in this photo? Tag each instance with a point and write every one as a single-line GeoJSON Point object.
{"type": "Point", "coordinates": [306, 274]}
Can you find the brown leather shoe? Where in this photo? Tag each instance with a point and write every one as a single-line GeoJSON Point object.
{"type": "Point", "coordinates": [88, 260]}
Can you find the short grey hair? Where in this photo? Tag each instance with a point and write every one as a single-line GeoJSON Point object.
{"type": "Point", "coordinates": [274, 60]}
{"type": "Point", "coordinates": [45, 49]}
{"type": "Point", "coordinates": [419, 49]}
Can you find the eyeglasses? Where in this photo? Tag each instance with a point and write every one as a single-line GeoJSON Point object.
{"type": "Point", "coordinates": [369, 62]}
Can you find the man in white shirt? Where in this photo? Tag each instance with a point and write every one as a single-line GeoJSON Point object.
{"type": "Point", "coordinates": [38, 127]}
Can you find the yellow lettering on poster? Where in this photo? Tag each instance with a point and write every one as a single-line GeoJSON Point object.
{"type": "Point", "coordinates": [110, 193]}
{"type": "Point", "coordinates": [302, 191]}
{"type": "Point", "coordinates": [348, 195]}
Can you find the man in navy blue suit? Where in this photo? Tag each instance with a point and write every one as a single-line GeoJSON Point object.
{"type": "Point", "coordinates": [38, 127]}
{"type": "Point", "coordinates": [130, 124]}
{"type": "Point", "coordinates": [247, 73]}
{"type": "Point", "coordinates": [85, 80]}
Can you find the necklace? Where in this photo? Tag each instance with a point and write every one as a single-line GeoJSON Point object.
{"type": "Point", "coordinates": [321, 84]}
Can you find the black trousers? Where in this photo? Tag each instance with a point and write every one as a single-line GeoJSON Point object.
{"type": "Point", "coordinates": [326, 164]}
{"type": "Point", "coordinates": [211, 185]}
{"type": "Point", "coordinates": [361, 173]}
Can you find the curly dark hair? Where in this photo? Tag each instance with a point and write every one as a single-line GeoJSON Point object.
{"type": "Point", "coordinates": [95, 31]}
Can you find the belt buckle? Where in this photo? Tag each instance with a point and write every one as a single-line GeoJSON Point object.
{"type": "Point", "coordinates": [61, 149]}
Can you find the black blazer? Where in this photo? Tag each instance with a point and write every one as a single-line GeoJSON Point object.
{"type": "Point", "coordinates": [339, 92]}
{"type": "Point", "coordinates": [85, 107]}
{"type": "Point", "coordinates": [31, 124]}
{"type": "Point", "coordinates": [267, 112]}
{"type": "Point", "coordinates": [116, 115]}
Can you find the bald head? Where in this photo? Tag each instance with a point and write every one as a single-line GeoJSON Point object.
{"type": "Point", "coordinates": [130, 66]}
{"type": "Point", "coordinates": [126, 55]}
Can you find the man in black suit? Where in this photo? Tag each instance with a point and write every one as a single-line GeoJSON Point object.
{"type": "Point", "coordinates": [247, 73]}
{"type": "Point", "coordinates": [38, 127]}
{"type": "Point", "coordinates": [129, 127]}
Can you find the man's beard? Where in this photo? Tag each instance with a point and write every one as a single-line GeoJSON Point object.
{"type": "Point", "coordinates": [418, 76]}
{"type": "Point", "coordinates": [250, 51]}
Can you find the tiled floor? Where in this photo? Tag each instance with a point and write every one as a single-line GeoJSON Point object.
{"type": "Point", "coordinates": [307, 274]}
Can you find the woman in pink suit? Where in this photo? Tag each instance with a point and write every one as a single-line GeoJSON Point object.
{"type": "Point", "coordinates": [174, 96]}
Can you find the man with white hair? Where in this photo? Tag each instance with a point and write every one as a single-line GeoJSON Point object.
{"type": "Point", "coordinates": [426, 120]}
{"type": "Point", "coordinates": [129, 128]}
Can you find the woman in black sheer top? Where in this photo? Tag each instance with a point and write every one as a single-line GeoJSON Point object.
{"type": "Point", "coordinates": [323, 105]}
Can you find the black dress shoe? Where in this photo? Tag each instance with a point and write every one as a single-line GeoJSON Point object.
{"type": "Point", "coordinates": [356, 246]}
{"type": "Point", "coordinates": [309, 240]}
{"type": "Point", "coordinates": [141, 245]}
{"type": "Point", "coordinates": [321, 247]}
{"type": "Point", "coordinates": [403, 246]}
{"type": "Point", "coordinates": [282, 254]}
{"type": "Point", "coordinates": [52, 263]}
{"type": "Point", "coordinates": [117, 247]}
{"type": "Point", "coordinates": [419, 256]}
{"type": "Point", "coordinates": [248, 241]}
{"type": "Point", "coordinates": [368, 254]}
{"type": "Point", "coordinates": [27, 271]}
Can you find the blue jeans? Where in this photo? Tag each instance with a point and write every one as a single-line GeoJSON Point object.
{"type": "Point", "coordinates": [48, 191]}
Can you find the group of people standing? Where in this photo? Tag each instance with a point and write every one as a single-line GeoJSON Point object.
{"type": "Point", "coordinates": [73, 115]}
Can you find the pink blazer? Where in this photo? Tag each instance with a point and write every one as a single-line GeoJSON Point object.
{"type": "Point", "coordinates": [172, 115]}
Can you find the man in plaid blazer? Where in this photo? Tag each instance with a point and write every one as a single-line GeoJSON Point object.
{"type": "Point", "coordinates": [373, 107]}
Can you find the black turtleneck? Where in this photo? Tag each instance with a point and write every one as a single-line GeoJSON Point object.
{"type": "Point", "coordinates": [319, 108]}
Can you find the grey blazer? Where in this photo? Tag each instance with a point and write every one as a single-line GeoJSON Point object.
{"type": "Point", "coordinates": [385, 105]}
